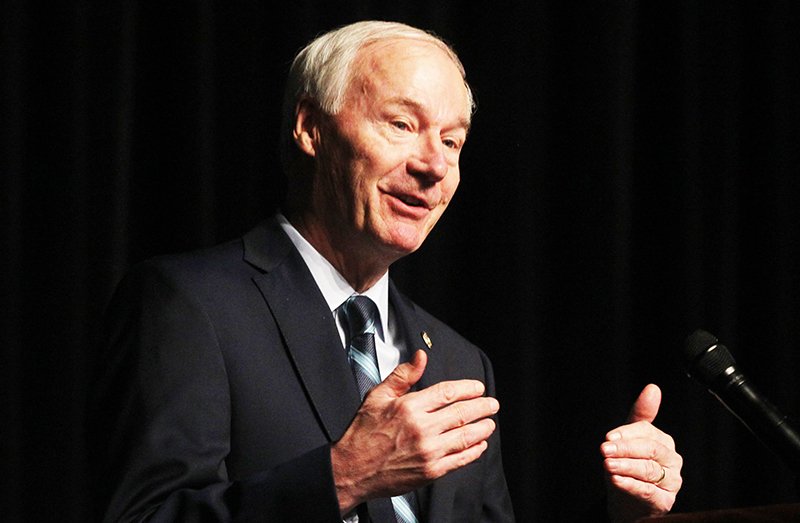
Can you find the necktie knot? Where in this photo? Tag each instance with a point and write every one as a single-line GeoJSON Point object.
{"type": "Point", "coordinates": [360, 315]}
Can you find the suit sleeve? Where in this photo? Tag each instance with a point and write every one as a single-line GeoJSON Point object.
{"type": "Point", "coordinates": [159, 428]}
{"type": "Point", "coordinates": [497, 507]}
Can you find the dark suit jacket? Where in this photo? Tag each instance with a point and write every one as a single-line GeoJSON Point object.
{"type": "Point", "coordinates": [223, 383]}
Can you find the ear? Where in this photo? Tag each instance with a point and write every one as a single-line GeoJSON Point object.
{"type": "Point", "coordinates": [306, 126]}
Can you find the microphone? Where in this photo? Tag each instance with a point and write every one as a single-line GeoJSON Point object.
{"type": "Point", "coordinates": [710, 363]}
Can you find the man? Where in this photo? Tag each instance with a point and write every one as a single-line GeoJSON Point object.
{"type": "Point", "coordinates": [228, 390]}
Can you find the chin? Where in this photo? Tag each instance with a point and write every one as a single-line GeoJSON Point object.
{"type": "Point", "coordinates": [405, 240]}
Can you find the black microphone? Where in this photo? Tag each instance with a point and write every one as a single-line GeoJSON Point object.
{"type": "Point", "coordinates": [710, 363]}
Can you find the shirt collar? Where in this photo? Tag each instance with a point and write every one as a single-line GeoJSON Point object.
{"type": "Point", "coordinates": [331, 283]}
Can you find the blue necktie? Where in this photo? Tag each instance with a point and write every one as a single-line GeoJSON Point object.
{"type": "Point", "coordinates": [361, 314]}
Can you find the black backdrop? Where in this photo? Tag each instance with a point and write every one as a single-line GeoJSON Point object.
{"type": "Point", "coordinates": [632, 175]}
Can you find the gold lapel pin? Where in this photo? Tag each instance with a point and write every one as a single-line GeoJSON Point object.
{"type": "Point", "coordinates": [426, 339]}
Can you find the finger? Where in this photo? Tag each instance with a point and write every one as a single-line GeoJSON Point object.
{"type": "Point", "coordinates": [646, 471]}
{"type": "Point", "coordinates": [641, 430]}
{"type": "Point", "coordinates": [461, 413]}
{"type": "Point", "coordinates": [659, 500]}
{"type": "Point", "coordinates": [446, 393]}
{"type": "Point", "coordinates": [459, 439]}
{"type": "Point", "coordinates": [404, 376]}
{"type": "Point", "coordinates": [456, 459]}
{"type": "Point", "coordinates": [643, 448]}
{"type": "Point", "coordinates": [646, 406]}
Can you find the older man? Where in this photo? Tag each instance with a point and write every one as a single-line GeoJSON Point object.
{"type": "Point", "coordinates": [282, 377]}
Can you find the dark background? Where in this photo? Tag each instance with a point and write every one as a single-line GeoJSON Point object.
{"type": "Point", "coordinates": [632, 175]}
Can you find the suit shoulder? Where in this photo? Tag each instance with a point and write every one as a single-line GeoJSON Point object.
{"type": "Point", "coordinates": [202, 274]}
{"type": "Point", "coordinates": [260, 249]}
{"type": "Point", "coordinates": [218, 258]}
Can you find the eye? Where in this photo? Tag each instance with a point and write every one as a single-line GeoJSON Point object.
{"type": "Point", "coordinates": [451, 143]}
{"type": "Point", "coordinates": [401, 125]}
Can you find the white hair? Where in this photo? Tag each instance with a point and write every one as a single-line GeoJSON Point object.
{"type": "Point", "coordinates": [322, 70]}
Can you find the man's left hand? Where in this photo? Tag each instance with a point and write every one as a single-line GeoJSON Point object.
{"type": "Point", "coordinates": [643, 470]}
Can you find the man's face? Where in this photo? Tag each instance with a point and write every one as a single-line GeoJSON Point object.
{"type": "Point", "coordinates": [387, 163]}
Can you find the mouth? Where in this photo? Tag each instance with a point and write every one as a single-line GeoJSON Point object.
{"type": "Point", "coordinates": [415, 202]}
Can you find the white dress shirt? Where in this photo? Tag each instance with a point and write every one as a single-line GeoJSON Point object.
{"type": "Point", "coordinates": [336, 290]}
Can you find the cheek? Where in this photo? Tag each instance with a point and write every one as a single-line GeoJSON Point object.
{"type": "Point", "coordinates": [449, 186]}
{"type": "Point", "coordinates": [342, 177]}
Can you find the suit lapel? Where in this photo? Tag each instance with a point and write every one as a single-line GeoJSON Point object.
{"type": "Point", "coordinates": [312, 342]}
{"type": "Point", "coordinates": [438, 496]}
{"type": "Point", "coordinates": [413, 332]}
{"type": "Point", "coordinates": [306, 324]}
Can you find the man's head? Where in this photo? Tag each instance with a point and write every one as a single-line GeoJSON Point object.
{"type": "Point", "coordinates": [376, 115]}
{"type": "Point", "coordinates": [322, 69]}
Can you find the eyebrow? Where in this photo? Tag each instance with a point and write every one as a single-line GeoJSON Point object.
{"type": "Point", "coordinates": [464, 123]}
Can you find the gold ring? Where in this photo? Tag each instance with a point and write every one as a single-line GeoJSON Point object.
{"type": "Point", "coordinates": [663, 475]}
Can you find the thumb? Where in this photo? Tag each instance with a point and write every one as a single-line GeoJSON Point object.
{"type": "Point", "coordinates": [405, 375]}
{"type": "Point", "coordinates": [646, 406]}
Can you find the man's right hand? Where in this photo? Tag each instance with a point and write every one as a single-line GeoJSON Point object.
{"type": "Point", "coordinates": [401, 440]}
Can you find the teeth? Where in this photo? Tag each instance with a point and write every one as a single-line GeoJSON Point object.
{"type": "Point", "coordinates": [410, 200]}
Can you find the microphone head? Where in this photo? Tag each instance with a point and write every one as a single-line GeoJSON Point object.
{"type": "Point", "coordinates": [706, 358]}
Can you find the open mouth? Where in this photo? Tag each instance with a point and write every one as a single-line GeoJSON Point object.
{"type": "Point", "coordinates": [411, 201]}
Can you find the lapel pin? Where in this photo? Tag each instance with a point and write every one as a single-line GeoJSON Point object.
{"type": "Point", "coordinates": [426, 339]}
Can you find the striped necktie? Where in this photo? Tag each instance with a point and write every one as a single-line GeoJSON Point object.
{"type": "Point", "coordinates": [360, 316]}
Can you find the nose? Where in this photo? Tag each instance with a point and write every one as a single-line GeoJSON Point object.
{"type": "Point", "coordinates": [428, 160]}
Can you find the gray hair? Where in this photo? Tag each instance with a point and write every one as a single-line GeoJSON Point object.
{"type": "Point", "coordinates": [322, 70]}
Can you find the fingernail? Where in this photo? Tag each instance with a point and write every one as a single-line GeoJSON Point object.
{"type": "Point", "coordinates": [494, 404]}
{"type": "Point", "coordinates": [608, 449]}
{"type": "Point", "coordinates": [614, 436]}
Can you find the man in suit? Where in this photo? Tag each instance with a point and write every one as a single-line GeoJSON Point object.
{"type": "Point", "coordinates": [231, 389]}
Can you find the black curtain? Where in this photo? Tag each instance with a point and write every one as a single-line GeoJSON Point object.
{"type": "Point", "coordinates": [632, 175]}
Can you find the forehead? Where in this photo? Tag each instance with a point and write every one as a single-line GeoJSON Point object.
{"type": "Point", "coordinates": [416, 69]}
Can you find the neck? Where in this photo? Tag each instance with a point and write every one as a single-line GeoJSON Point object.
{"type": "Point", "coordinates": [358, 265]}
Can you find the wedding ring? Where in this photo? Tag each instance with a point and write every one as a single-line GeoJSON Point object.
{"type": "Point", "coordinates": [663, 475]}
